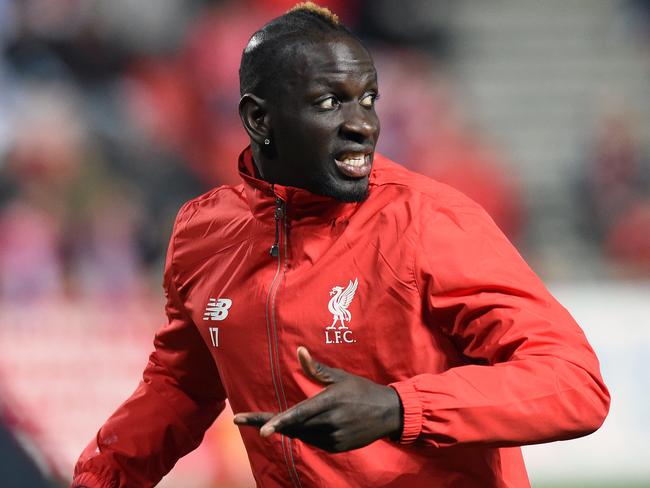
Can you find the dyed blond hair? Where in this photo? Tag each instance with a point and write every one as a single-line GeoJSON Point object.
{"type": "Point", "coordinates": [317, 9]}
{"type": "Point", "coordinates": [268, 50]}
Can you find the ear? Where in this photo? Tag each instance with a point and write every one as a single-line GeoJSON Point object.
{"type": "Point", "coordinates": [255, 117]}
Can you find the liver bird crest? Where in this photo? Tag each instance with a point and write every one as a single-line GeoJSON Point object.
{"type": "Point", "coordinates": [340, 302]}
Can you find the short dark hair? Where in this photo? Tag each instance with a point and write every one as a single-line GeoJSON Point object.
{"type": "Point", "coordinates": [264, 56]}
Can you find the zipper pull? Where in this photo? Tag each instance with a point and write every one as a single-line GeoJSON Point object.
{"type": "Point", "coordinates": [279, 212]}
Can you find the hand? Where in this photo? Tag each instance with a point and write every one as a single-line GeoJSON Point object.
{"type": "Point", "coordinates": [351, 411]}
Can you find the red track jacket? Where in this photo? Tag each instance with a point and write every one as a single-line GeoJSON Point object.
{"type": "Point", "coordinates": [415, 287]}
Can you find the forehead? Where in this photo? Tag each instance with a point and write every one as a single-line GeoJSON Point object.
{"type": "Point", "coordinates": [330, 61]}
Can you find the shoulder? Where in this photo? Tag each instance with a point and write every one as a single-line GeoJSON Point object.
{"type": "Point", "coordinates": [207, 215]}
{"type": "Point", "coordinates": [219, 203]}
{"type": "Point", "coordinates": [454, 236]}
{"type": "Point", "coordinates": [393, 183]}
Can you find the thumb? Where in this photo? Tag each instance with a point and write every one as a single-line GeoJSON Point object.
{"type": "Point", "coordinates": [317, 371]}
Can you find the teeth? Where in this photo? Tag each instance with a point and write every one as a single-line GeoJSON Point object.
{"type": "Point", "coordinates": [356, 160]}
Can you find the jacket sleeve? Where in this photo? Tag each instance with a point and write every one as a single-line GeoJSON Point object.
{"type": "Point", "coordinates": [530, 376]}
{"type": "Point", "coordinates": [166, 417]}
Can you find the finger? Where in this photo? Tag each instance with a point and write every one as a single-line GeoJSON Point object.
{"type": "Point", "coordinates": [296, 415]}
{"type": "Point", "coordinates": [308, 431]}
{"type": "Point", "coordinates": [255, 419]}
{"type": "Point", "coordinates": [318, 371]}
{"type": "Point", "coordinates": [319, 431]}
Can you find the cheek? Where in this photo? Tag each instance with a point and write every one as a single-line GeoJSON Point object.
{"type": "Point", "coordinates": [306, 134]}
{"type": "Point", "coordinates": [319, 127]}
{"type": "Point", "coordinates": [315, 139]}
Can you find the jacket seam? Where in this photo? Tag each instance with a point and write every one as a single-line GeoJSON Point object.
{"type": "Point", "coordinates": [172, 250]}
{"type": "Point", "coordinates": [176, 290]}
{"type": "Point", "coordinates": [414, 268]}
{"type": "Point", "coordinates": [467, 204]}
{"type": "Point", "coordinates": [212, 194]}
{"type": "Point", "coordinates": [419, 249]}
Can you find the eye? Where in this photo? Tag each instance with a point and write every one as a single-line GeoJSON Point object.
{"type": "Point", "coordinates": [369, 100]}
{"type": "Point", "coordinates": [328, 103]}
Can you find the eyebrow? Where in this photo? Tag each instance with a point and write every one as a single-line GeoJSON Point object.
{"type": "Point", "coordinates": [338, 79]}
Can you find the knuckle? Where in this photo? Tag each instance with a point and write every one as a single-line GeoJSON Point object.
{"type": "Point", "coordinates": [330, 403]}
{"type": "Point", "coordinates": [337, 439]}
{"type": "Point", "coordinates": [335, 417]}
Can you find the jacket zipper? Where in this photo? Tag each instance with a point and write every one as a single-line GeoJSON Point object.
{"type": "Point", "coordinates": [278, 214]}
{"type": "Point", "coordinates": [272, 334]}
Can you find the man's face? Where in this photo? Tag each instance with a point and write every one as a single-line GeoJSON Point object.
{"type": "Point", "coordinates": [323, 121]}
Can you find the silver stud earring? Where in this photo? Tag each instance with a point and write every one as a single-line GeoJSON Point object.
{"type": "Point", "coordinates": [267, 142]}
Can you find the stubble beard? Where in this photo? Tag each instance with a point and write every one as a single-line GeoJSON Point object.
{"type": "Point", "coordinates": [358, 191]}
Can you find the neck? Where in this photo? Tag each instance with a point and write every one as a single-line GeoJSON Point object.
{"type": "Point", "coordinates": [258, 162]}
{"type": "Point", "coordinates": [266, 167]}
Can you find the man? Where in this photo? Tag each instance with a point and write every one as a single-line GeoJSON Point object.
{"type": "Point", "coordinates": [441, 350]}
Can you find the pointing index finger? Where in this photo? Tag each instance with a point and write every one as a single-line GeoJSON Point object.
{"type": "Point", "coordinates": [255, 419]}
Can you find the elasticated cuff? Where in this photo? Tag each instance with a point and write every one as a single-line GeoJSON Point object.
{"type": "Point", "coordinates": [412, 410]}
{"type": "Point", "coordinates": [87, 480]}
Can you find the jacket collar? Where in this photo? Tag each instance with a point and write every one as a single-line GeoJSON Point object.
{"type": "Point", "coordinates": [300, 204]}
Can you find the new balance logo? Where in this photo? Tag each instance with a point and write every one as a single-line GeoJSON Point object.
{"type": "Point", "coordinates": [217, 309]}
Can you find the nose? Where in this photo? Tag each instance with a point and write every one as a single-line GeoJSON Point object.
{"type": "Point", "coordinates": [360, 125]}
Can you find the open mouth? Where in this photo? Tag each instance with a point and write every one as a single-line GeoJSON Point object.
{"type": "Point", "coordinates": [354, 165]}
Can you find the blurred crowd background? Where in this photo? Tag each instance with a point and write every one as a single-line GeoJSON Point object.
{"type": "Point", "coordinates": [115, 112]}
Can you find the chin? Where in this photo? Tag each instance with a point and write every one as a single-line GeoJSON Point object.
{"type": "Point", "coordinates": [352, 196]}
{"type": "Point", "coordinates": [344, 191]}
